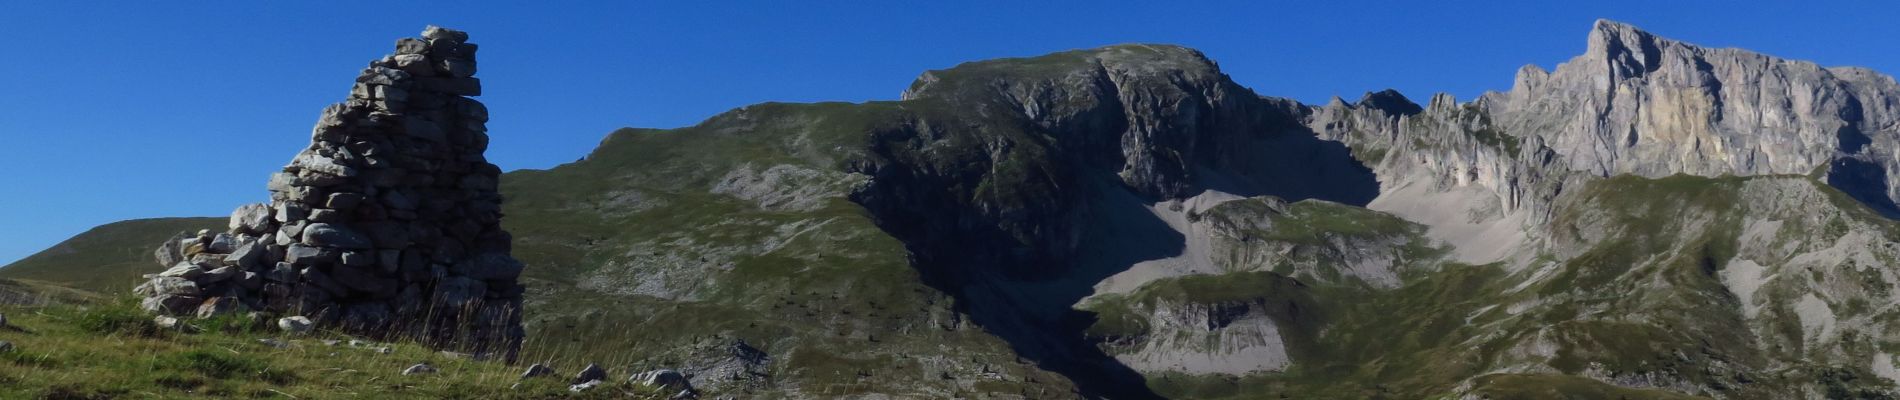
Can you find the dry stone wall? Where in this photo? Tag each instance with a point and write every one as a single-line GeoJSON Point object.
{"type": "Point", "coordinates": [387, 225]}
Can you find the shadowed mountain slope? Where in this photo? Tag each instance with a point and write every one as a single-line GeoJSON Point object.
{"type": "Point", "coordinates": [1651, 219]}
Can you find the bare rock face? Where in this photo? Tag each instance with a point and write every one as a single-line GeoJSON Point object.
{"type": "Point", "coordinates": [1633, 103]}
{"type": "Point", "coordinates": [1641, 104]}
{"type": "Point", "coordinates": [387, 225]}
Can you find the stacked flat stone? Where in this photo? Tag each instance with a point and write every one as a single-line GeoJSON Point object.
{"type": "Point", "coordinates": [387, 225]}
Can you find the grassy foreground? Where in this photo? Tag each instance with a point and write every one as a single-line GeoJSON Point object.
{"type": "Point", "coordinates": [111, 350]}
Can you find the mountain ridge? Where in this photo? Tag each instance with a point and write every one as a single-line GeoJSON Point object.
{"type": "Point", "coordinates": [1129, 221]}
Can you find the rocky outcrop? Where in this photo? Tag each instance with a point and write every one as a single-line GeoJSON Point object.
{"type": "Point", "coordinates": [1633, 103]}
{"type": "Point", "coordinates": [1026, 171]}
{"type": "Point", "coordinates": [387, 225]}
{"type": "Point", "coordinates": [1641, 104]}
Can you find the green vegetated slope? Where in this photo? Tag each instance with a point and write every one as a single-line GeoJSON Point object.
{"type": "Point", "coordinates": [735, 249]}
{"type": "Point", "coordinates": [110, 349]}
{"type": "Point", "coordinates": [108, 258]}
{"type": "Point", "coordinates": [836, 249]}
{"type": "Point", "coordinates": [669, 247]}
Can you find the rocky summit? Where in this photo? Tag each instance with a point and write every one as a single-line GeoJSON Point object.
{"type": "Point", "coordinates": [387, 225]}
{"type": "Point", "coordinates": [1650, 219]}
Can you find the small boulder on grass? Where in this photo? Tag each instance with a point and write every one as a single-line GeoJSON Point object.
{"type": "Point", "coordinates": [593, 372]}
{"type": "Point", "coordinates": [659, 378]}
{"type": "Point", "coordinates": [5, 346]}
{"type": "Point", "coordinates": [537, 370]}
{"type": "Point", "coordinates": [294, 324]}
{"type": "Point", "coordinates": [173, 324]}
{"type": "Point", "coordinates": [3, 321]}
{"type": "Point", "coordinates": [418, 369]}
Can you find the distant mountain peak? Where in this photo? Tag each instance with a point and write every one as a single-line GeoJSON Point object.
{"type": "Point", "coordinates": [1391, 101]}
{"type": "Point", "coordinates": [1625, 44]}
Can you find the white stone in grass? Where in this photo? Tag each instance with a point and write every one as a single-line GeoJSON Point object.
{"type": "Point", "coordinates": [294, 324]}
{"type": "Point", "coordinates": [423, 368]}
{"type": "Point", "coordinates": [583, 386]}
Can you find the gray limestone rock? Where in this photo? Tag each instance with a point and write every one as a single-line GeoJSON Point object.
{"type": "Point", "coordinates": [167, 285]}
{"type": "Point", "coordinates": [184, 270]}
{"type": "Point", "coordinates": [433, 32]}
{"type": "Point", "coordinates": [324, 215]}
{"type": "Point", "coordinates": [332, 235]}
{"type": "Point", "coordinates": [170, 252]}
{"type": "Point", "coordinates": [223, 243]}
{"type": "Point", "coordinates": [343, 201]}
{"type": "Point", "coordinates": [300, 254]}
{"type": "Point", "coordinates": [247, 256]}
{"type": "Point", "coordinates": [593, 372]}
{"type": "Point", "coordinates": [283, 272]}
{"type": "Point", "coordinates": [294, 324]}
{"type": "Point", "coordinates": [251, 218]}
{"type": "Point", "coordinates": [219, 274]}
{"type": "Point", "coordinates": [664, 378]}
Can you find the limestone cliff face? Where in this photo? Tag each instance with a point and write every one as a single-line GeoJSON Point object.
{"type": "Point", "coordinates": [1636, 103]}
{"type": "Point", "coordinates": [1633, 103]}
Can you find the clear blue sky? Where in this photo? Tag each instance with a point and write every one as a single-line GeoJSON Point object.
{"type": "Point", "coordinates": [111, 111]}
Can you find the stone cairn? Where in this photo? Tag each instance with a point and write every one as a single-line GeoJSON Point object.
{"type": "Point", "coordinates": [386, 226]}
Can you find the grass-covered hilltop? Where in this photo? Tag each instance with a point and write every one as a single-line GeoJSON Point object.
{"type": "Point", "coordinates": [1651, 219]}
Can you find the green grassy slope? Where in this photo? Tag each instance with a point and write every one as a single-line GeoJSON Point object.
{"type": "Point", "coordinates": [108, 258]}
{"type": "Point", "coordinates": [817, 286]}
{"type": "Point", "coordinates": [112, 350]}
{"type": "Point", "coordinates": [694, 247]}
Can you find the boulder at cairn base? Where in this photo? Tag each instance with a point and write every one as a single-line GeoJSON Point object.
{"type": "Point", "coordinates": [372, 228]}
